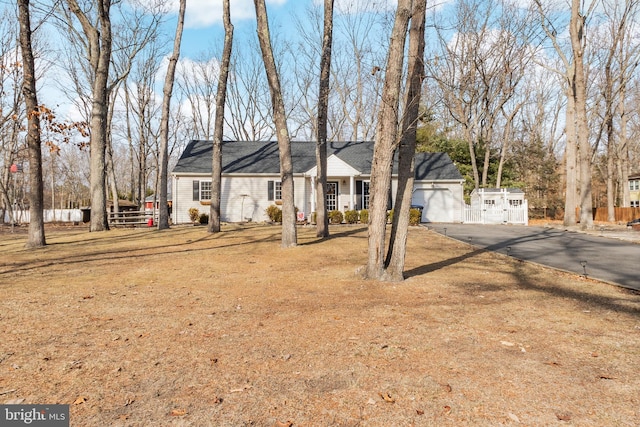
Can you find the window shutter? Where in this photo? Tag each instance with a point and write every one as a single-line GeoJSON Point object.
{"type": "Point", "coordinates": [196, 190]}
{"type": "Point", "coordinates": [270, 190]}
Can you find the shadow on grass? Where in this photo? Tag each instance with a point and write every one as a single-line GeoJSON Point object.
{"type": "Point", "coordinates": [140, 250]}
{"type": "Point", "coordinates": [589, 299]}
{"type": "Point", "coordinates": [337, 232]}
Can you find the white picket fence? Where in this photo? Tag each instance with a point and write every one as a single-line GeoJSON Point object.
{"type": "Point", "coordinates": [50, 215]}
{"type": "Point", "coordinates": [497, 214]}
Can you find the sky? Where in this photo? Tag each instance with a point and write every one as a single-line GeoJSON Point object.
{"type": "Point", "coordinates": [203, 20]}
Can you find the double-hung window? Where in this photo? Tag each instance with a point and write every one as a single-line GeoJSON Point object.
{"type": "Point", "coordinates": [201, 191]}
{"type": "Point", "coordinates": [274, 190]}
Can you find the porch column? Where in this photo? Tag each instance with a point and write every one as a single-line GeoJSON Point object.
{"type": "Point", "coordinates": [313, 195]}
{"type": "Point", "coordinates": [352, 193]}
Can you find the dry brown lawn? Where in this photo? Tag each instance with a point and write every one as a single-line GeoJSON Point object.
{"type": "Point", "coordinates": [137, 327]}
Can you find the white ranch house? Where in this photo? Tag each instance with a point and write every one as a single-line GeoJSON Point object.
{"type": "Point", "coordinates": [251, 180]}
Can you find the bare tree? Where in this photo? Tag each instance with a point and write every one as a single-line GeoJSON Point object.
{"type": "Point", "coordinates": [163, 217]}
{"type": "Point", "coordinates": [216, 174]}
{"type": "Point", "coordinates": [406, 151]}
{"type": "Point", "coordinates": [289, 231]}
{"type": "Point", "coordinates": [620, 59]}
{"type": "Point", "coordinates": [247, 93]}
{"type": "Point", "coordinates": [36, 236]}
{"type": "Point", "coordinates": [99, 45]}
{"type": "Point", "coordinates": [385, 145]}
{"type": "Point", "coordinates": [12, 112]}
{"type": "Point", "coordinates": [577, 29]}
{"type": "Point", "coordinates": [322, 220]}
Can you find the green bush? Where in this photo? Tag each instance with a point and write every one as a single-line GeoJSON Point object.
{"type": "Point", "coordinates": [364, 216]}
{"type": "Point", "coordinates": [194, 215]}
{"type": "Point", "coordinates": [204, 218]}
{"type": "Point", "coordinates": [351, 217]}
{"type": "Point", "coordinates": [415, 216]}
{"type": "Point", "coordinates": [335, 217]}
{"type": "Point", "coordinates": [274, 213]}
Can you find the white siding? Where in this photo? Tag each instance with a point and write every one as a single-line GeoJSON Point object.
{"type": "Point", "coordinates": [243, 198]}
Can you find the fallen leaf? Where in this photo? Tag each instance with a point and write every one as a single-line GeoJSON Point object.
{"type": "Point", "coordinates": [387, 397]}
{"type": "Point", "coordinates": [178, 412]}
{"type": "Point", "coordinates": [80, 400]}
{"type": "Point", "coordinates": [419, 412]}
{"type": "Point", "coordinates": [564, 417]}
{"type": "Point", "coordinates": [281, 424]}
{"type": "Point", "coordinates": [87, 297]}
{"type": "Point", "coordinates": [552, 363]}
{"type": "Point", "coordinates": [507, 343]}
{"type": "Point", "coordinates": [514, 417]}
{"type": "Point", "coordinates": [124, 417]}
{"type": "Point", "coordinates": [447, 388]}
{"type": "Point", "coordinates": [217, 400]}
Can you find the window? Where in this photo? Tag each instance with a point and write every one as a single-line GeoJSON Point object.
{"type": "Point", "coordinates": [274, 190]}
{"type": "Point", "coordinates": [205, 190]}
{"type": "Point", "coordinates": [515, 202]}
{"type": "Point", "coordinates": [365, 194]}
{"type": "Point", "coordinates": [634, 185]}
{"type": "Point", "coordinates": [490, 202]}
{"type": "Point", "coordinates": [635, 204]}
{"type": "Point", "coordinates": [201, 190]}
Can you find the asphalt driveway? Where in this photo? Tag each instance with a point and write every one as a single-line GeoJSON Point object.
{"type": "Point", "coordinates": [601, 257]}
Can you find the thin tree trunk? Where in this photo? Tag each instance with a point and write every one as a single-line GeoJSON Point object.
{"type": "Point", "coordinates": [36, 237]}
{"type": "Point", "coordinates": [289, 231]}
{"type": "Point", "coordinates": [322, 219]}
{"type": "Point", "coordinates": [385, 144]}
{"type": "Point", "coordinates": [163, 210]}
{"type": "Point", "coordinates": [396, 253]}
{"type": "Point", "coordinates": [218, 132]}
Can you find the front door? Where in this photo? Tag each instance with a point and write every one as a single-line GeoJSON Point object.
{"type": "Point", "coordinates": [332, 196]}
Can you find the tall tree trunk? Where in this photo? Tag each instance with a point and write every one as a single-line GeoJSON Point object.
{"type": "Point", "coordinates": [289, 231]}
{"type": "Point", "coordinates": [218, 132]}
{"type": "Point", "coordinates": [322, 219]}
{"type": "Point", "coordinates": [167, 91]}
{"type": "Point", "coordinates": [385, 145]}
{"type": "Point", "coordinates": [571, 154]}
{"type": "Point", "coordinates": [36, 236]}
{"type": "Point", "coordinates": [396, 253]}
{"type": "Point", "coordinates": [99, 41]}
{"type": "Point", "coordinates": [576, 30]}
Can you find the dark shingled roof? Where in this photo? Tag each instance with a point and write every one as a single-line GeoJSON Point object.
{"type": "Point", "coordinates": [262, 158]}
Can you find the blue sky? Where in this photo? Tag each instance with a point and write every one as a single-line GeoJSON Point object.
{"type": "Point", "coordinates": [203, 22]}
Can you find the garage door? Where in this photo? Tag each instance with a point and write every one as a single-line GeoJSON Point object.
{"type": "Point", "coordinates": [437, 202]}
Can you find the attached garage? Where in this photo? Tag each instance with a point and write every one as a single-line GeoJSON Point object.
{"type": "Point", "coordinates": [438, 188]}
{"type": "Point", "coordinates": [438, 204]}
